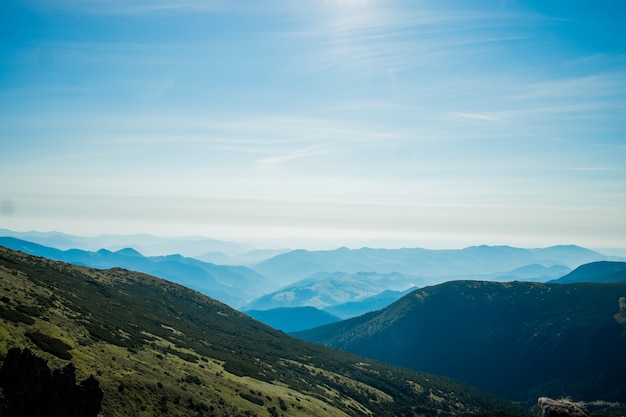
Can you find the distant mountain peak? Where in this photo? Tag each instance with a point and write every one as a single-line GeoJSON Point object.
{"type": "Point", "coordinates": [128, 252]}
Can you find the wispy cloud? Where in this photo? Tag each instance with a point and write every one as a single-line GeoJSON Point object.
{"type": "Point", "coordinates": [373, 36]}
{"type": "Point", "coordinates": [277, 160]}
{"type": "Point", "coordinates": [587, 86]}
{"type": "Point", "coordinates": [475, 116]}
{"type": "Point", "coordinates": [135, 6]}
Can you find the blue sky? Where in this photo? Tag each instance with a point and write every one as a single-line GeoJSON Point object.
{"type": "Point", "coordinates": [346, 122]}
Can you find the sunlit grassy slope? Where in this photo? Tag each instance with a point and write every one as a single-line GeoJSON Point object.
{"type": "Point", "coordinates": [161, 349]}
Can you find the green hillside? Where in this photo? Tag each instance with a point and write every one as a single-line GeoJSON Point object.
{"type": "Point", "coordinates": [158, 348]}
{"type": "Point", "coordinates": [519, 340]}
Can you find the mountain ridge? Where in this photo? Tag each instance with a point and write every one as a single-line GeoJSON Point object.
{"type": "Point", "coordinates": [323, 290]}
{"type": "Point", "coordinates": [234, 285]}
{"type": "Point", "coordinates": [150, 245]}
{"type": "Point", "coordinates": [438, 265]}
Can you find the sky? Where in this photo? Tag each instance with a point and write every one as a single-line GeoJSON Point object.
{"type": "Point", "coordinates": [438, 124]}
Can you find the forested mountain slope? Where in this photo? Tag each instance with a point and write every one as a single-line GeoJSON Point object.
{"type": "Point", "coordinates": [519, 340]}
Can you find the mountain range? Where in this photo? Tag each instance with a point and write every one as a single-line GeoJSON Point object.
{"type": "Point", "coordinates": [324, 289]}
{"type": "Point", "coordinates": [203, 248]}
{"type": "Point", "coordinates": [433, 266]}
{"type": "Point", "coordinates": [233, 285]}
{"type": "Point", "coordinates": [158, 348]}
{"type": "Point", "coordinates": [519, 340]}
{"type": "Point", "coordinates": [293, 319]}
{"type": "Point", "coordinates": [328, 287]}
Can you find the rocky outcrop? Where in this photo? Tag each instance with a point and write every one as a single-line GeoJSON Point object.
{"type": "Point", "coordinates": [548, 407]}
{"type": "Point", "coordinates": [30, 389]}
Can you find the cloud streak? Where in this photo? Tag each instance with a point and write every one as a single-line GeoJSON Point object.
{"type": "Point", "coordinates": [134, 7]}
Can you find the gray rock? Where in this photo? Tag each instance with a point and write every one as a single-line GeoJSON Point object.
{"type": "Point", "coordinates": [547, 407]}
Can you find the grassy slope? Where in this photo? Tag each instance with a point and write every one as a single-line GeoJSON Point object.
{"type": "Point", "coordinates": [161, 349]}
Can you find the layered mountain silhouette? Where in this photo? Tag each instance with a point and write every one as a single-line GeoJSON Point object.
{"type": "Point", "coordinates": [202, 248]}
{"type": "Point", "coordinates": [158, 348]}
{"type": "Point", "coordinates": [370, 271]}
{"type": "Point", "coordinates": [434, 266]}
{"type": "Point", "coordinates": [323, 290]}
{"type": "Point", "coordinates": [347, 294]}
{"type": "Point", "coordinates": [519, 340]}
{"type": "Point", "coordinates": [293, 319]}
{"type": "Point", "coordinates": [233, 285]}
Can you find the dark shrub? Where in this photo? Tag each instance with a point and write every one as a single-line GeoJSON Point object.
{"type": "Point", "coordinates": [51, 345]}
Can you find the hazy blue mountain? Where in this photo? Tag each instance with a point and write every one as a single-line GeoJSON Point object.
{"type": "Point", "coordinates": [247, 259]}
{"type": "Point", "coordinates": [55, 240]}
{"type": "Point", "coordinates": [293, 319]}
{"type": "Point", "coordinates": [520, 340]}
{"type": "Point", "coordinates": [328, 289]}
{"type": "Point", "coordinates": [233, 285]}
{"type": "Point", "coordinates": [440, 265]}
{"type": "Point", "coordinates": [375, 302]}
{"type": "Point", "coordinates": [534, 272]}
{"type": "Point", "coordinates": [604, 271]}
{"type": "Point", "coordinates": [147, 244]}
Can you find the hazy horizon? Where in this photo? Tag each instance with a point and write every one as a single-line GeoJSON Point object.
{"type": "Point", "coordinates": [288, 243]}
{"type": "Point", "coordinates": [338, 123]}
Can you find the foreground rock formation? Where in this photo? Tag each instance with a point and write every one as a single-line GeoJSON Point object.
{"type": "Point", "coordinates": [560, 408]}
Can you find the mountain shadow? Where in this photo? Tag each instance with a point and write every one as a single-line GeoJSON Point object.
{"type": "Point", "coordinates": [518, 340]}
